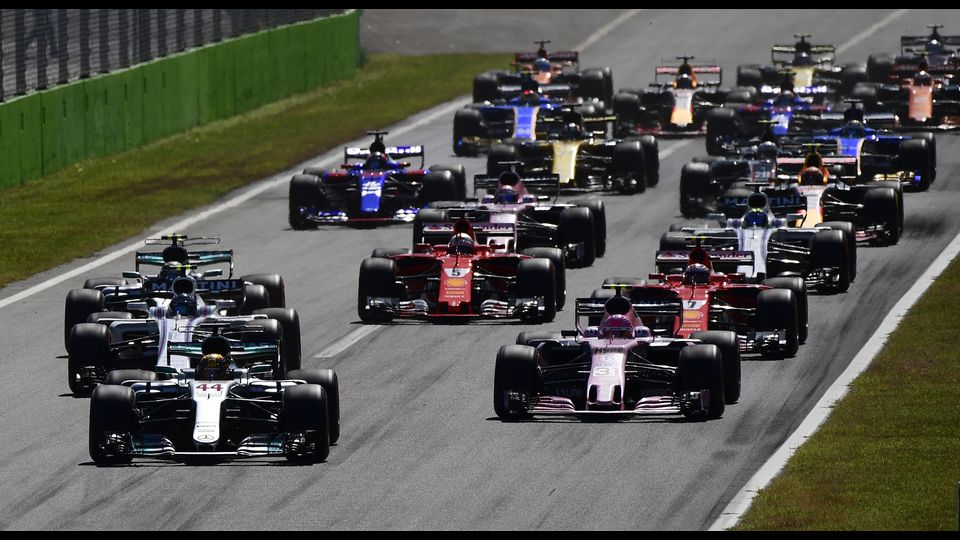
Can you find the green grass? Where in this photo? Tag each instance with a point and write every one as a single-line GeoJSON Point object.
{"type": "Point", "coordinates": [95, 203]}
{"type": "Point", "coordinates": [888, 457]}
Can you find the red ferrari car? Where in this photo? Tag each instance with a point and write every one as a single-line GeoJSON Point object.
{"type": "Point", "coordinates": [460, 279]}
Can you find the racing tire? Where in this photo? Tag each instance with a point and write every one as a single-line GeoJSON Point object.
{"type": "Point", "coordinates": [467, 123]}
{"type": "Point", "coordinates": [830, 249]}
{"type": "Point", "coordinates": [516, 371]}
{"type": "Point", "coordinates": [306, 410]}
{"type": "Point", "coordinates": [276, 291]}
{"type": "Point", "coordinates": [112, 409]}
{"type": "Point", "coordinates": [726, 341]}
{"type": "Point", "coordinates": [880, 206]}
{"type": "Point", "coordinates": [305, 191]}
{"type": "Point", "coordinates": [80, 304]}
{"type": "Point", "coordinates": [850, 235]}
{"type": "Point", "coordinates": [89, 345]}
{"type": "Point", "coordinates": [721, 125]}
{"type": "Point", "coordinates": [866, 94]}
{"type": "Point", "coordinates": [749, 76]}
{"type": "Point", "coordinates": [915, 155]}
{"type": "Point", "coordinates": [575, 226]}
{"type": "Point", "coordinates": [486, 87]}
{"type": "Point", "coordinates": [674, 241]}
{"type": "Point", "coordinates": [386, 253]}
{"type": "Point", "coordinates": [932, 143]}
{"type": "Point", "coordinates": [777, 310]}
{"type": "Point", "coordinates": [377, 279]}
{"type": "Point", "coordinates": [537, 278]}
{"type": "Point", "coordinates": [497, 154]}
{"type": "Point", "coordinates": [626, 106]}
{"type": "Point", "coordinates": [438, 186]}
{"type": "Point", "coordinates": [629, 162]}
{"type": "Point", "coordinates": [696, 182]}
{"type": "Point", "coordinates": [799, 288]}
{"type": "Point", "coordinates": [531, 337]}
{"type": "Point", "coordinates": [290, 348]}
{"type": "Point", "coordinates": [327, 378]}
{"type": "Point", "coordinates": [740, 96]}
{"type": "Point", "coordinates": [851, 76]}
{"type": "Point", "coordinates": [599, 211]}
{"type": "Point", "coordinates": [879, 67]}
{"type": "Point", "coordinates": [460, 177]}
{"type": "Point", "coordinates": [897, 188]}
{"type": "Point", "coordinates": [118, 376]}
{"type": "Point", "coordinates": [593, 84]}
{"type": "Point", "coordinates": [651, 159]}
{"type": "Point", "coordinates": [270, 330]}
{"type": "Point", "coordinates": [425, 216]}
{"type": "Point", "coordinates": [254, 297]}
{"type": "Point", "coordinates": [699, 368]}
{"type": "Point", "coordinates": [560, 269]}
{"type": "Point", "coordinates": [93, 283]}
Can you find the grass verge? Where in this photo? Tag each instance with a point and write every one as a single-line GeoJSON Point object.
{"type": "Point", "coordinates": [83, 208]}
{"type": "Point", "coordinates": [888, 457]}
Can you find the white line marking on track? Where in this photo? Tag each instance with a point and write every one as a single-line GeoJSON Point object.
{"type": "Point", "coordinates": [251, 192]}
{"type": "Point", "coordinates": [346, 341]}
{"type": "Point", "coordinates": [606, 29]}
{"type": "Point", "coordinates": [741, 502]}
{"type": "Point", "coordinates": [870, 30]}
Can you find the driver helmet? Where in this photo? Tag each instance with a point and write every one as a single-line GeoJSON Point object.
{"type": "Point", "coordinates": [784, 98]}
{"type": "Point", "coordinates": [853, 113]}
{"type": "Point", "coordinates": [696, 274]}
{"type": "Point", "coordinates": [813, 159]}
{"type": "Point", "coordinates": [377, 161]}
{"type": "Point", "coordinates": [461, 244]}
{"type": "Point", "coordinates": [802, 58]}
{"type": "Point", "coordinates": [922, 78]}
{"type": "Point", "coordinates": [170, 271]}
{"type": "Point", "coordinates": [684, 80]}
{"type": "Point", "coordinates": [756, 217]}
{"type": "Point", "coordinates": [184, 301]}
{"type": "Point", "coordinates": [854, 128]}
{"type": "Point", "coordinates": [767, 150]}
{"type": "Point", "coordinates": [812, 176]}
{"type": "Point", "coordinates": [507, 195]}
{"type": "Point", "coordinates": [213, 367]}
{"type": "Point", "coordinates": [541, 65]}
{"type": "Point", "coordinates": [617, 327]}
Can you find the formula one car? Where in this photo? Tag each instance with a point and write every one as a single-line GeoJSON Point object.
{"type": "Point", "coordinates": [232, 402]}
{"type": "Point", "coordinates": [919, 98]}
{"type": "Point", "coordinates": [613, 366]}
{"type": "Point", "coordinates": [511, 219]}
{"type": "Point", "coordinates": [477, 126]}
{"type": "Point", "coordinates": [557, 73]}
{"type": "Point", "coordinates": [691, 299]}
{"type": "Point", "coordinates": [678, 107]}
{"type": "Point", "coordinates": [375, 188]}
{"type": "Point", "coordinates": [117, 340]}
{"type": "Point", "coordinates": [460, 280]}
{"type": "Point", "coordinates": [583, 159]}
{"type": "Point", "coordinates": [108, 297]}
{"type": "Point", "coordinates": [804, 68]}
{"type": "Point", "coordinates": [764, 245]}
{"type": "Point", "coordinates": [943, 61]}
{"type": "Point", "coordinates": [773, 118]}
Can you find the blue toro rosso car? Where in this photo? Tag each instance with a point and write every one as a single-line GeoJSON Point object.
{"type": "Point", "coordinates": [477, 126]}
{"type": "Point", "coordinates": [373, 186]}
{"type": "Point", "coordinates": [785, 113]}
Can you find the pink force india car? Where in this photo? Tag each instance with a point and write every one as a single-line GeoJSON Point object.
{"type": "Point", "coordinates": [611, 366]}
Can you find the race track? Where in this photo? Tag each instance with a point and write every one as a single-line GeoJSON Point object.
{"type": "Point", "coordinates": [420, 447]}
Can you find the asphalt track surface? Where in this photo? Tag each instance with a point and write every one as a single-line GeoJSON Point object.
{"type": "Point", "coordinates": [420, 447]}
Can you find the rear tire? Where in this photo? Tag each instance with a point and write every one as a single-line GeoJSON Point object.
{"type": "Point", "coordinates": [555, 255]}
{"type": "Point", "coordinates": [80, 304]}
{"type": "Point", "coordinates": [829, 249]}
{"type": "Point", "coordinates": [799, 288]}
{"type": "Point", "coordinates": [880, 206]}
{"type": "Point", "coordinates": [696, 183]}
{"type": "Point", "coordinates": [721, 125]}
{"type": "Point", "coordinates": [118, 376]}
{"type": "Point", "coordinates": [425, 216]}
{"type": "Point", "coordinates": [599, 223]}
{"type": "Point", "coordinates": [89, 346]}
{"type": "Point", "coordinates": [629, 165]}
{"type": "Point", "coordinates": [276, 291]}
{"type": "Point", "coordinates": [576, 226]}
{"type": "Point", "coordinates": [254, 297]}
{"type": "Point", "coordinates": [290, 347]}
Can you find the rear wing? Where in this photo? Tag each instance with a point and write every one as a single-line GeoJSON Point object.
{"type": "Point", "coordinates": [718, 258]}
{"type": "Point", "coordinates": [242, 354]}
{"type": "Point", "coordinates": [658, 313]}
{"type": "Point", "coordinates": [555, 56]}
{"type": "Point", "coordinates": [796, 163]}
{"type": "Point", "coordinates": [545, 184]}
{"type": "Point", "coordinates": [204, 286]}
{"type": "Point", "coordinates": [707, 75]}
{"type": "Point", "coordinates": [553, 90]}
{"type": "Point", "coordinates": [908, 69]}
{"type": "Point", "coordinates": [395, 152]}
{"type": "Point", "coordinates": [195, 258]}
{"type": "Point", "coordinates": [884, 120]}
{"type": "Point", "coordinates": [909, 42]}
{"type": "Point", "coordinates": [441, 233]}
{"type": "Point", "coordinates": [783, 54]}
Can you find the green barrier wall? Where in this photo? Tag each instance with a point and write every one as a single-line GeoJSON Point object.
{"type": "Point", "coordinates": [48, 130]}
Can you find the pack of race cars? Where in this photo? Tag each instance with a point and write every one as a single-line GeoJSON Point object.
{"type": "Point", "coordinates": [807, 161]}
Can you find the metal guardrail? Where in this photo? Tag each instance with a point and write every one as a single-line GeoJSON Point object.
{"type": "Point", "coordinates": [40, 48]}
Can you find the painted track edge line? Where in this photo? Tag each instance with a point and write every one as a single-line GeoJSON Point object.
{"type": "Point", "coordinates": [741, 502]}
